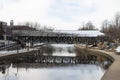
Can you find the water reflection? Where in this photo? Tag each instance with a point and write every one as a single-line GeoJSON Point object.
{"type": "Point", "coordinates": [34, 66]}
{"type": "Point", "coordinates": [29, 71]}
{"type": "Point", "coordinates": [63, 50]}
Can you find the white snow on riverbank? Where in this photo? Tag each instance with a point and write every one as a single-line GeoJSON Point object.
{"type": "Point", "coordinates": [118, 49]}
{"type": "Point", "coordinates": [3, 53]}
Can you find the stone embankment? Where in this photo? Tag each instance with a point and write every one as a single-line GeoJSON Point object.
{"type": "Point", "coordinates": [113, 72]}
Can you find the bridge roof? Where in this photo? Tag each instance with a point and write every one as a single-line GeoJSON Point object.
{"type": "Point", "coordinates": [83, 33]}
{"type": "Point", "coordinates": [80, 33]}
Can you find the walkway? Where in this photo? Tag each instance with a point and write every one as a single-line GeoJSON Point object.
{"type": "Point", "coordinates": [35, 47]}
{"type": "Point", "coordinates": [6, 53]}
{"type": "Point", "coordinates": [113, 73]}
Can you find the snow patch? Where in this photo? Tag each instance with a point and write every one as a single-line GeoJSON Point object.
{"type": "Point", "coordinates": [118, 49]}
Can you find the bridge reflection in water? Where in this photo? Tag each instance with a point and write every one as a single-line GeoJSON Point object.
{"type": "Point", "coordinates": [47, 56]}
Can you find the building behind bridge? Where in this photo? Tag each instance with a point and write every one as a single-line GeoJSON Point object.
{"type": "Point", "coordinates": [6, 30]}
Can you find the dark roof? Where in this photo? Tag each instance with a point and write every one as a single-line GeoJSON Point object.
{"type": "Point", "coordinates": [22, 27]}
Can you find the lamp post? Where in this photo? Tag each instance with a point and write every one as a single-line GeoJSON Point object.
{"type": "Point", "coordinates": [8, 44]}
{"type": "Point", "coordinates": [17, 44]}
{"type": "Point", "coordinates": [27, 43]}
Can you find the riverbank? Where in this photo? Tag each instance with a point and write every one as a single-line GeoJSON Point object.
{"type": "Point", "coordinates": [15, 52]}
{"type": "Point", "coordinates": [113, 72]}
{"type": "Point", "coordinates": [22, 51]}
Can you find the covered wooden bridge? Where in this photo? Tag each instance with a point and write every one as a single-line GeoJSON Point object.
{"type": "Point", "coordinates": [60, 36]}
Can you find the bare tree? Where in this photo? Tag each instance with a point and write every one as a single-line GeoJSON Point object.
{"type": "Point", "coordinates": [45, 28]}
{"type": "Point", "coordinates": [37, 26]}
{"type": "Point", "coordinates": [117, 20]}
{"type": "Point", "coordinates": [34, 25]}
{"type": "Point", "coordinates": [1, 29]}
{"type": "Point", "coordinates": [88, 26]}
{"type": "Point", "coordinates": [105, 26]}
{"type": "Point", "coordinates": [112, 28]}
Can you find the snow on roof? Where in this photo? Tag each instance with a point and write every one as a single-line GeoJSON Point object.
{"type": "Point", "coordinates": [87, 33]}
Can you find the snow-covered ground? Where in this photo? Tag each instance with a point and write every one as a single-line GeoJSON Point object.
{"type": "Point", "coordinates": [3, 53]}
{"type": "Point", "coordinates": [6, 41]}
{"type": "Point", "coordinates": [117, 49]}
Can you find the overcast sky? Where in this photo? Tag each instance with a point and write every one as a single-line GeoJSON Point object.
{"type": "Point", "coordinates": [61, 14]}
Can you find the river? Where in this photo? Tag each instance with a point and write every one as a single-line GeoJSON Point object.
{"type": "Point", "coordinates": [42, 71]}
